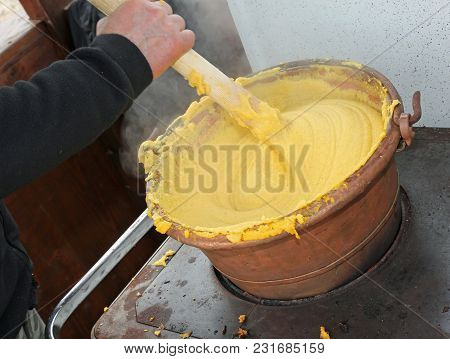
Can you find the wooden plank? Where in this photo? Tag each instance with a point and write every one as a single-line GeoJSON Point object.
{"type": "Point", "coordinates": [52, 12]}
{"type": "Point", "coordinates": [35, 10]}
{"type": "Point", "coordinates": [31, 52]}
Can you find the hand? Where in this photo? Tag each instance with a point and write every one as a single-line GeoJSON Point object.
{"type": "Point", "coordinates": [159, 34]}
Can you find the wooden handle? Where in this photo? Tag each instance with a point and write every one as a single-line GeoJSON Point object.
{"type": "Point", "coordinates": [107, 6]}
{"type": "Point", "coordinates": [218, 85]}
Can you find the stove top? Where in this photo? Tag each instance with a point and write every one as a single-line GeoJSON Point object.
{"type": "Point", "coordinates": [405, 295]}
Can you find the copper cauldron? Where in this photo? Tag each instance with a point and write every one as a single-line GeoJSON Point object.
{"type": "Point", "coordinates": [344, 238]}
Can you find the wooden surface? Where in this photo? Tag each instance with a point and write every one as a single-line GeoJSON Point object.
{"type": "Point", "coordinates": [30, 52]}
{"type": "Point", "coordinates": [52, 13]}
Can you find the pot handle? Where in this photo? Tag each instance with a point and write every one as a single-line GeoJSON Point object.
{"type": "Point", "coordinates": [406, 120]}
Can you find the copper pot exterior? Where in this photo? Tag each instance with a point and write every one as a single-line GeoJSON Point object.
{"type": "Point", "coordinates": [327, 255]}
{"type": "Point", "coordinates": [338, 243]}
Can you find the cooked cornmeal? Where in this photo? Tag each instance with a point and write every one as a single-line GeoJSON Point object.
{"type": "Point", "coordinates": [212, 176]}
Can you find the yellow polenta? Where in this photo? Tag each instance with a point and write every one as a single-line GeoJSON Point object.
{"type": "Point", "coordinates": [211, 176]}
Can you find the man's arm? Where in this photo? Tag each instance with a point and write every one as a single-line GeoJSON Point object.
{"type": "Point", "coordinates": [68, 105]}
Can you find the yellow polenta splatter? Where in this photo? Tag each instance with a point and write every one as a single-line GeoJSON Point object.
{"type": "Point", "coordinates": [162, 262]}
{"type": "Point", "coordinates": [324, 334]}
{"type": "Point", "coordinates": [195, 79]}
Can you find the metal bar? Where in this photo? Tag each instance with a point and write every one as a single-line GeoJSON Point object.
{"type": "Point", "coordinates": [96, 274]}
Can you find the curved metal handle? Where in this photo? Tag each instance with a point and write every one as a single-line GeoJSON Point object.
{"type": "Point", "coordinates": [96, 274]}
{"type": "Point", "coordinates": [406, 120]}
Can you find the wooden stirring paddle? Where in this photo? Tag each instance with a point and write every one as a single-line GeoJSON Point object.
{"type": "Point", "coordinates": [249, 111]}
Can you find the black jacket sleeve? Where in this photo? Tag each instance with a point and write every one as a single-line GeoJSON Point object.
{"type": "Point", "coordinates": [66, 106]}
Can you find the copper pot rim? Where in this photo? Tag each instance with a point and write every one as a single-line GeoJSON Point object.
{"type": "Point", "coordinates": [356, 184]}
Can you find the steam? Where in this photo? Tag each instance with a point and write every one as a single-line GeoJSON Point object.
{"type": "Point", "coordinates": [169, 96]}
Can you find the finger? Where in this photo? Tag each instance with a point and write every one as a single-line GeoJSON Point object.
{"type": "Point", "coordinates": [178, 21]}
{"type": "Point", "coordinates": [187, 39]}
{"type": "Point", "coordinates": [165, 6]}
